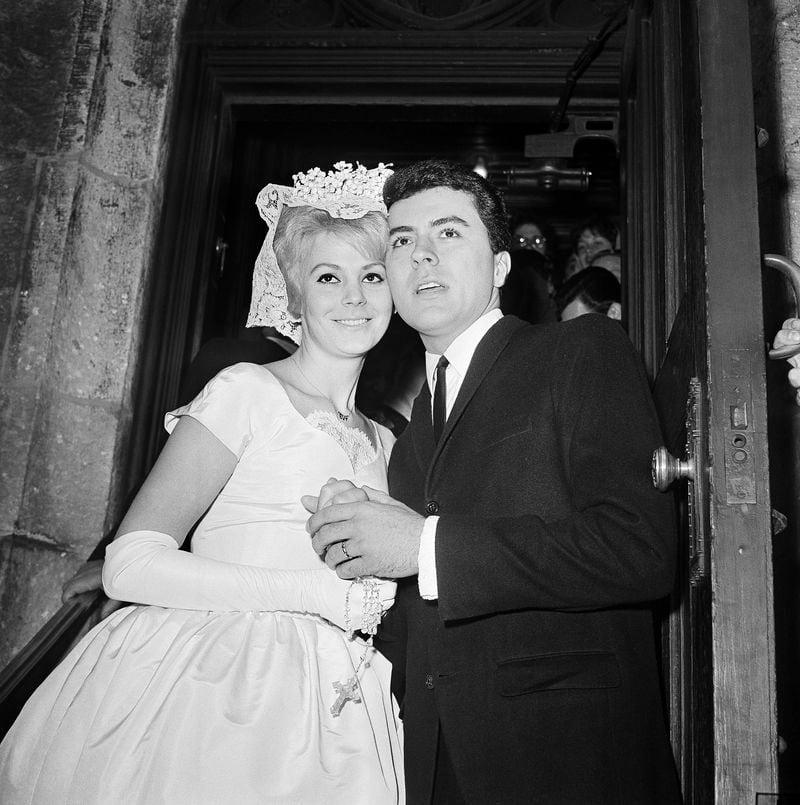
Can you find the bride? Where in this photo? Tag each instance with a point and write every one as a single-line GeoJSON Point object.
{"type": "Point", "coordinates": [245, 672]}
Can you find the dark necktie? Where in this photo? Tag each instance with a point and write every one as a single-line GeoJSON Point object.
{"type": "Point", "coordinates": [440, 399]}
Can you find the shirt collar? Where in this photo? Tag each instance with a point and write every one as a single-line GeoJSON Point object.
{"type": "Point", "coordinates": [460, 352]}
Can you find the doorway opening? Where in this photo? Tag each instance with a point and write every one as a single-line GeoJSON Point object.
{"type": "Point", "coordinates": [271, 143]}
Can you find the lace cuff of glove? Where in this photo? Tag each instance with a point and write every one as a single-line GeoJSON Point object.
{"type": "Point", "coordinates": [375, 596]}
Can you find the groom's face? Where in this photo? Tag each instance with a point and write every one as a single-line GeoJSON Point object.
{"type": "Point", "coordinates": [441, 269]}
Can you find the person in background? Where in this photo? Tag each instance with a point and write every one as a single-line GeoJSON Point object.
{"type": "Point", "coordinates": [593, 235]}
{"type": "Point", "coordinates": [255, 345]}
{"type": "Point", "coordinates": [571, 266]}
{"type": "Point", "coordinates": [245, 673]}
{"type": "Point", "coordinates": [393, 374]}
{"type": "Point", "coordinates": [593, 290]}
{"type": "Point", "coordinates": [534, 233]}
{"type": "Point", "coordinates": [611, 261]}
{"type": "Point", "coordinates": [528, 289]}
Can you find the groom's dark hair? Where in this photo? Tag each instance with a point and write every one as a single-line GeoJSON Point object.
{"type": "Point", "coordinates": [431, 173]}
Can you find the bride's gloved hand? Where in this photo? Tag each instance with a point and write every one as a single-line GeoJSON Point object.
{"type": "Point", "coordinates": [146, 567]}
{"type": "Point", "coordinates": [355, 606]}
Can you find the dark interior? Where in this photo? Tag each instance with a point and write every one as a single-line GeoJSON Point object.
{"type": "Point", "coordinates": [270, 143]}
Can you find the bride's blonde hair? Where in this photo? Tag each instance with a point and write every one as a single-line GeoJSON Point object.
{"type": "Point", "coordinates": [342, 197]}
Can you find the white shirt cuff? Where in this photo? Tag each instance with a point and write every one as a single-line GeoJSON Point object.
{"type": "Point", "coordinates": [426, 578]}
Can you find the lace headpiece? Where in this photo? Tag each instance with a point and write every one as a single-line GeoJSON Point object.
{"type": "Point", "coordinates": [344, 192]}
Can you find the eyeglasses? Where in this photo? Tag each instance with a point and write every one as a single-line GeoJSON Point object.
{"type": "Point", "coordinates": [535, 242]}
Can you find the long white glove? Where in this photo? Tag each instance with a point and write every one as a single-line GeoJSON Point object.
{"type": "Point", "coordinates": [147, 567]}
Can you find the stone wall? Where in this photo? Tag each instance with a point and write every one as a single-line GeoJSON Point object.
{"type": "Point", "coordinates": [775, 33]}
{"type": "Point", "coordinates": [86, 90]}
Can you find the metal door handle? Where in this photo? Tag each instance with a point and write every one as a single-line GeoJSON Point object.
{"type": "Point", "coordinates": [667, 469]}
{"type": "Point", "coordinates": [791, 270]}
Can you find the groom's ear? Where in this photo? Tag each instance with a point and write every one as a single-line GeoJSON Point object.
{"type": "Point", "coordinates": [502, 265]}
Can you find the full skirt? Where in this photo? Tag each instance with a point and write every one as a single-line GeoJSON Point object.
{"type": "Point", "coordinates": [177, 706]}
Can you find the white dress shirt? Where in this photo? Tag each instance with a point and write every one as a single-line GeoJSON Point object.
{"type": "Point", "coordinates": [459, 354]}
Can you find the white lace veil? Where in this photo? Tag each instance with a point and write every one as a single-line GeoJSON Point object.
{"type": "Point", "coordinates": [344, 192]}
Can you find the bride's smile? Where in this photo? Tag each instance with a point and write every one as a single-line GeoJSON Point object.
{"type": "Point", "coordinates": [346, 303]}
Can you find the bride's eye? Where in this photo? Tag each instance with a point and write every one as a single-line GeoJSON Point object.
{"type": "Point", "coordinates": [374, 277]}
{"type": "Point", "coordinates": [327, 279]}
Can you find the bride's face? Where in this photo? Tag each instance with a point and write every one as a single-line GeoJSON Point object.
{"type": "Point", "coordinates": [346, 304]}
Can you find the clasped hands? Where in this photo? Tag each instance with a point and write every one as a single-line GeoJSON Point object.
{"type": "Point", "coordinates": [361, 531]}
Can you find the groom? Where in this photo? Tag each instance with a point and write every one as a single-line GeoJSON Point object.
{"type": "Point", "coordinates": [527, 533]}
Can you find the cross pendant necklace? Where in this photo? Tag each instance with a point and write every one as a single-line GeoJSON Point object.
{"type": "Point", "coordinates": [349, 691]}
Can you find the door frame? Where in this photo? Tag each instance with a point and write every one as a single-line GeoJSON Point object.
{"type": "Point", "coordinates": [745, 708]}
{"type": "Point", "coordinates": [222, 68]}
{"type": "Point", "coordinates": [694, 309]}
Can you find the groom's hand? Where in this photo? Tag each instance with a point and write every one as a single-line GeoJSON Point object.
{"type": "Point", "coordinates": [334, 491]}
{"type": "Point", "coordinates": [379, 537]}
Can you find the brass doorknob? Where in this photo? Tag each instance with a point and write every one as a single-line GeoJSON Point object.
{"type": "Point", "coordinates": [666, 469]}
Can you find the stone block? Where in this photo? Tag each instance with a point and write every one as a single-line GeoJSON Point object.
{"type": "Point", "coordinates": [74, 121]}
{"type": "Point", "coordinates": [37, 48]}
{"type": "Point", "coordinates": [29, 343]}
{"type": "Point", "coordinates": [31, 576]}
{"type": "Point", "coordinates": [98, 308]}
{"type": "Point", "coordinates": [8, 300]}
{"type": "Point", "coordinates": [70, 472]}
{"type": "Point", "coordinates": [129, 108]}
{"type": "Point", "coordinates": [10, 157]}
{"type": "Point", "coordinates": [787, 39]}
{"type": "Point", "coordinates": [787, 43]}
{"type": "Point", "coordinates": [17, 415]}
{"type": "Point", "coordinates": [17, 192]}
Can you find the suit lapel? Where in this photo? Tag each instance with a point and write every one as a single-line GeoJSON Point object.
{"type": "Point", "coordinates": [489, 350]}
{"type": "Point", "coordinates": [420, 428]}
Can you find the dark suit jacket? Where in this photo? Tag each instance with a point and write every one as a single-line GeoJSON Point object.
{"type": "Point", "coordinates": [538, 661]}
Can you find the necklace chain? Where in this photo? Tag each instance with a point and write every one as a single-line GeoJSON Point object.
{"type": "Point", "coordinates": [342, 416]}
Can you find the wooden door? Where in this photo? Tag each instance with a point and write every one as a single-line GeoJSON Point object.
{"type": "Point", "coordinates": [693, 301]}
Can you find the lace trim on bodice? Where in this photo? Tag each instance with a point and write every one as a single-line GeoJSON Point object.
{"type": "Point", "coordinates": [353, 441]}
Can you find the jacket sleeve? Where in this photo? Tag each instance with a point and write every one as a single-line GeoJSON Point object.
{"type": "Point", "coordinates": [616, 544]}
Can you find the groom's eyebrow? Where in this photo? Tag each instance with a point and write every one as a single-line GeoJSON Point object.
{"type": "Point", "coordinates": [449, 219]}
